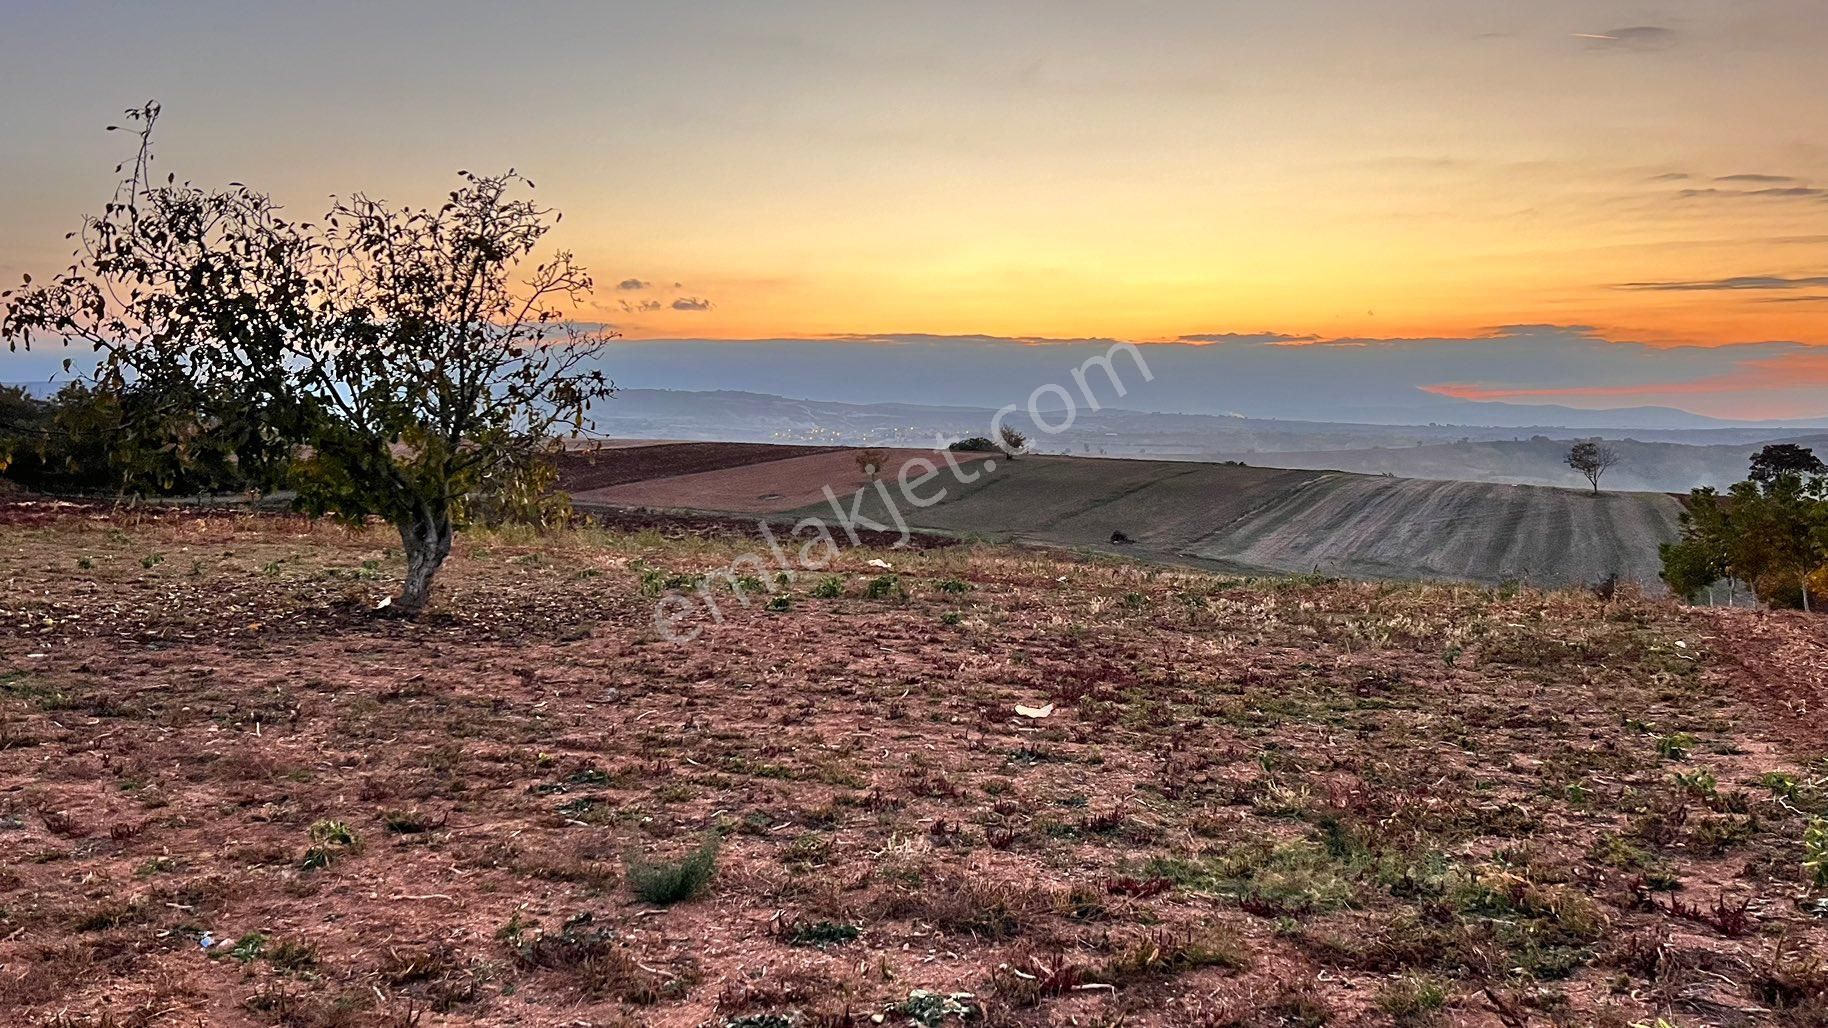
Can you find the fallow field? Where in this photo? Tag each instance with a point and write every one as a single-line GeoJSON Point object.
{"type": "Point", "coordinates": [1215, 517]}
{"type": "Point", "coordinates": [1250, 801]}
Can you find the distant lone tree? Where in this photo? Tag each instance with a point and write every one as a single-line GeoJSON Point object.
{"type": "Point", "coordinates": [389, 351]}
{"type": "Point", "coordinates": [871, 462]}
{"type": "Point", "coordinates": [1593, 459]}
{"type": "Point", "coordinates": [1014, 442]}
{"type": "Point", "coordinates": [1780, 459]}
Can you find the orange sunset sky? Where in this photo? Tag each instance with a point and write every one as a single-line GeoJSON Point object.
{"type": "Point", "coordinates": [1655, 171]}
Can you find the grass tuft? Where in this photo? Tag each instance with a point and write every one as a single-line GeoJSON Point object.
{"type": "Point", "coordinates": [664, 882]}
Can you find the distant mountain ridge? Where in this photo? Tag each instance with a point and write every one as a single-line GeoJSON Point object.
{"type": "Point", "coordinates": [1657, 459]}
{"type": "Point", "coordinates": [1501, 414]}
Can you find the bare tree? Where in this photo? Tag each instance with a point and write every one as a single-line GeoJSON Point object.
{"type": "Point", "coordinates": [1593, 459]}
{"type": "Point", "coordinates": [1014, 441]}
{"type": "Point", "coordinates": [389, 349]}
{"type": "Point", "coordinates": [871, 462]}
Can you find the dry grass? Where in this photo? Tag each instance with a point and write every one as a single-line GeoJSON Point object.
{"type": "Point", "coordinates": [1263, 802]}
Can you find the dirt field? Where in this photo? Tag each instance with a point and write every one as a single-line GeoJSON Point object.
{"type": "Point", "coordinates": [785, 481]}
{"type": "Point", "coordinates": [1257, 520]}
{"type": "Point", "coordinates": [1361, 526]}
{"type": "Point", "coordinates": [1251, 803]}
{"type": "Point", "coordinates": [587, 468]}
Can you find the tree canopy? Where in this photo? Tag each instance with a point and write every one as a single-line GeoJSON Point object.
{"type": "Point", "coordinates": [399, 361]}
{"type": "Point", "coordinates": [1592, 459]}
{"type": "Point", "coordinates": [1769, 531]}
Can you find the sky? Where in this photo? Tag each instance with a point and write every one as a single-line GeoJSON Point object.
{"type": "Point", "coordinates": [1650, 174]}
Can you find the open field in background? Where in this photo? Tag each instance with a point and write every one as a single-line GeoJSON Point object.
{"type": "Point", "coordinates": [1211, 516]}
{"type": "Point", "coordinates": [1357, 525]}
{"type": "Point", "coordinates": [769, 480]}
{"type": "Point", "coordinates": [1255, 802]}
{"type": "Point", "coordinates": [1658, 455]}
{"type": "Point", "coordinates": [589, 466]}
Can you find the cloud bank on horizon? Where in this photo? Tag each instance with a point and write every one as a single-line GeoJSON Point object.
{"type": "Point", "coordinates": [1263, 374]}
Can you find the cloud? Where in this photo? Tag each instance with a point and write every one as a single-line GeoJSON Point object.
{"type": "Point", "coordinates": [1769, 179]}
{"type": "Point", "coordinates": [642, 306]}
{"type": "Point", "coordinates": [937, 341]}
{"type": "Point", "coordinates": [1741, 282]}
{"type": "Point", "coordinates": [691, 303]}
{"type": "Point", "coordinates": [1767, 193]}
{"type": "Point", "coordinates": [1527, 331]}
{"type": "Point", "coordinates": [1268, 374]}
{"type": "Point", "coordinates": [1245, 337]}
{"type": "Point", "coordinates": [632, 284]}
{"type": "Point", "coordinates": [1632, 37]}
{"type": "Point", "coordinates": [1780, 371]}
{"type": "Point", "coordinates": [1671, 176]}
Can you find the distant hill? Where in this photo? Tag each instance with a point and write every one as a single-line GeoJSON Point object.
{"type": "Point", "coordinates": [753, 416]}
{"type": "Point", "coordinates": [1213, 516]}
{"type": "Point", "coordinates": [1498, 414]}
{"type": "Point", "coordinates": [1661, 460]}
{"type": "Point", "coordinates": [1653, 466]}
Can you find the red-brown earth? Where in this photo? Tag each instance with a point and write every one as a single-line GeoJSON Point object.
{"type": "Point", "coordinates": [1254, 801]}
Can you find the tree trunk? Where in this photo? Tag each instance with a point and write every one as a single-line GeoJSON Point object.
{"type": "Point", "coordinates": [427, 541]}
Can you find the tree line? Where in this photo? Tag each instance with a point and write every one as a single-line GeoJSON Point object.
{"type": "Point", "coordinates": [1769, 531]}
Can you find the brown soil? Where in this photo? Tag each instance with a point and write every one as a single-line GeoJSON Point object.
{"type": "Point", "coordinates": [589, 467]}
{"type": "Point", "coordinates": [1778, 660]}
{"type": "Point", "coordinates": [770, 487]}
{"type": "Point", "coordinates": [1229, 518]}
{"type": "Point", "coordinates": [673, 525]}
{"type": "Point", "coordinates": [1253, 803]}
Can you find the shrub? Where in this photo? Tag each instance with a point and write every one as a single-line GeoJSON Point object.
{"type": "Point", "coordinates": [975, 444]}
{"type": "Point", "coordinates": [1414, 1001]}
{"type": "Point", "coordinates": [883, 587]}
{"type": "Point", "coordinates": [330, 840]}
{"type": "Point", "coordinates": [664, 882]}
{"type": "Point", "coordinates": [1815, 850]}
{"type": "Point", "coordinates": [1676, 746]}
{"type": "Point", "coordinates": [248, 947]}
{"type": "Point", "coordinates": [819, 933]}
{"type": "Point", "coordinates": [409, 822]}
{"type": "Point", "coordinates": [871, 462]}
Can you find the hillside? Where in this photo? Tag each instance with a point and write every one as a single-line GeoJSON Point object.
{"type": "Point", "coordinates": [1657, 459]}
{"type": "Point", "coordinates": [1644, 466]}
{"type": "Point", "coordinates": [1216, 516]}
{"type": "Point", "coordinates": [1249, 803]}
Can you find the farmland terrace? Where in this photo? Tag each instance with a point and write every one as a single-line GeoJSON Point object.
{"type": "Point", "coordinates": [1215, 517]}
